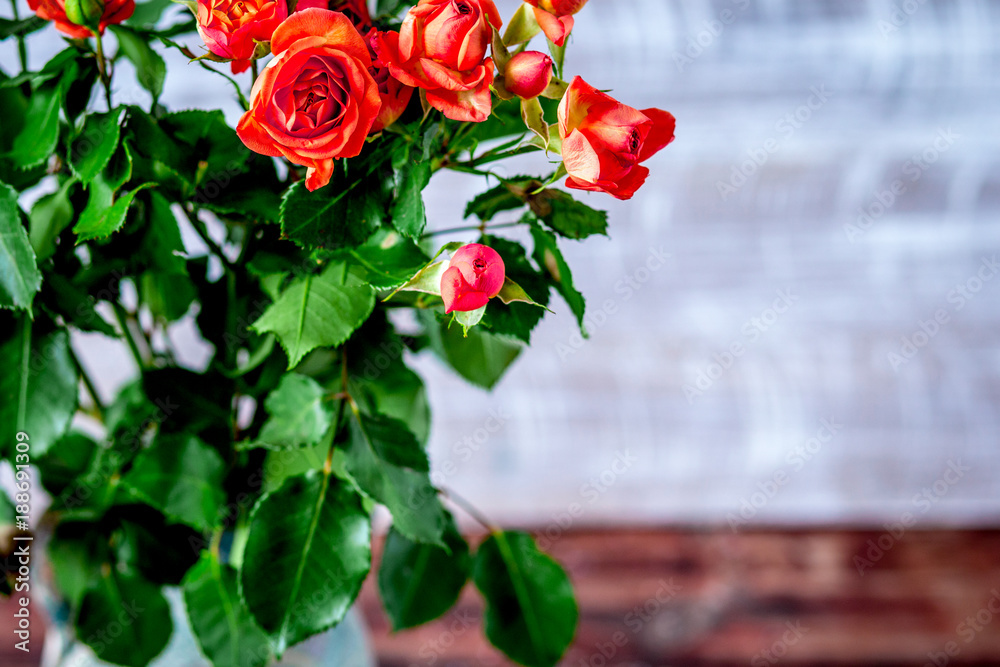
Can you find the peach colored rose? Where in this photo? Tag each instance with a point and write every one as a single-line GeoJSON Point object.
{"type": "Point", "coordinates": [604, 141]}
{"type": "Point", "coordinates": [316, 100]}
{"type": "Point", "coordinates": [441, 47]}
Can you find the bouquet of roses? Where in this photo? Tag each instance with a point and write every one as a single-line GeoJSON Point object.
{"type": "Point", "coordinates": [248, 479]}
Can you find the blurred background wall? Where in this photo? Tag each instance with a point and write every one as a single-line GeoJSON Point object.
{"type": "Point", "coordinates": [794, 320]}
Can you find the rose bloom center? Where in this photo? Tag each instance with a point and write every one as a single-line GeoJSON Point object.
{"type": "Point", "coordinates": [237, 14]}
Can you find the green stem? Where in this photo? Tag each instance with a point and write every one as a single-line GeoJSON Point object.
{"type": "Point", "coordinates": [102, 69]}
{"type": "Point", "coordinates": [22, 49]}
{"type": "Point", "coordinates": [471, 228]}
{"type": "Point", "coordinates": [470, 509]}
{"type": "Point", "coordinates": [122, 318]}
{"type": "Point", "coordinates": [328, 464]}
{"type": "Point", "coordinates": [88, 384]}
{"type": "Point", "coordinates": [22, 395]}
{"type": "Point", "coordinates": [202, 231]}
{"type": "Point", "coordinates": [253, 68]}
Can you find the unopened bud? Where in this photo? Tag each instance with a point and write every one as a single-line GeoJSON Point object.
{"type": "Point", "coordinates": [87, 13]}
{"type": "Point", "coordinates": [528, 74]}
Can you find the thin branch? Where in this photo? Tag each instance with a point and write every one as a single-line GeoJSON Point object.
{"type": "Point", "coordinates": [88, 384]}
{"type": "Point", "coordinates": [471, 228]}
{"type": "Point", "coordinates": [122, 318]}
{"type": "Point", "coordinates": [22, 49]}
{"type": "Point", "coordinates": [470, 509]}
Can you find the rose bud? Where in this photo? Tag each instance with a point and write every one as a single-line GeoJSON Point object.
{"type": "Point", "coordinates": [229, 27]}
{"type": "Point", "coordinates": [475, 275]}
{"type": "Point", "coordinates": [395, 95]}
{"type": "Point", "coordinates": [528, 74]}
{"type": "Point", "coordinates": [72, 19]}
{"type": "Point", "coordinates": [603, 141]}
{"type": "Point", "coordinates": [441, 47]}
{"type": "Point", "coordinates": [316, 100]}
{"type": "Point", "coordinates": [556, 17]}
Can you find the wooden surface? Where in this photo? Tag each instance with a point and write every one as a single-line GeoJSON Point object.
{"type": "Point", "coordinates": [724, 598]}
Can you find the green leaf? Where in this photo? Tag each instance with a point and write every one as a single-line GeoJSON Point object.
{"type": "Point", "coordinates": [470, 318]}
{"type": "Point", "coordinates": [19, 275]}
{"type": "Point", "coordinates": [146, 14]}
{"type": "Point", "coordinates": [76, 553]}
{"type": "Point", "coordinates": [548, 255]}
{"type": "Point", "coordinates": [168, 295]}
{"type": "Point", "coordinates": [38, 139]}
{"type": "Point", "coordinates": [10, 28]}
{"type": "Point", "coordinates": [516, 319]}
{"type": "Point", "coordinates": [386, 260]}
{"type": "Point", "coordinates": [573, 219]}
{"type": "Point", "coordinates": [480, 357]}
{"type": "Point", "coordinates": [92, 149]}
{"type": "Point", "coordinates": [530, 612]}
{"type": "Point", "coordinates": [182, 477]}
{"type": "Point", "coordinates": [389, 465]}
{"type": "Point", "coordinates": [298, 414]}
{"type": "Point", "coordinates": [38, 388]}
{"type": "Point", "coordinates": [50, 215]}
{"type": "Point", "coordinates": [316, 311]}
{"type": "Point", "coordinates": [67, 460]}
{"type": "Point", "coordinates": [409, 216]}
{"type": "Point", "coordinates": [74, 304]}
{"type": "Point", "coordinates": [111, 221]}
{"type": "Point", "coordinates": [419, 582]}
{"type": "Point", "coordinates": [486, 205]}
{"type": "Point", "coordinates": [131, 604]}
{"type": "Point", "coordinates": [149, 66]}
{"type": "Point", "coordinates": [223, 627]}
{"type": "Point", "coordinates": [331, 217]}
{"type": "Point", "coordinates": [306, 557]}
{"type": "Point", "coordinates": [163, 247]}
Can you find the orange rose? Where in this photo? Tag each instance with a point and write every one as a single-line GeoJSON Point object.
{"type": "Point", "coordinates": [556, 17]}
{"type": "Point", "coordinates": [315, 101]}
{"type": "Point", "coordinates": [441, 47]}
{"type": "Point", "coordinates": [603, 140]}
{"type": "Point", "coordinates": [356, 10]}
{"type": "Point", "coordinates": [114, 11]}
{"type": "Point", "coordinates": [229, 27]}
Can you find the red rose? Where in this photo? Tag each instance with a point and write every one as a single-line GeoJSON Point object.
{"type": "Point", "coordinates": [395, 94]}
{"type": "Point", "coordinates": [229, 27]}
{"type": "Point", "coordinates": [603, 140]}
{"type": "Point", "coordinates": [528, 74]}
{"type": "Point", "coordinates": [475, 275]}
{"type": "Point", "coordinates": [356, 10]}
{"type": "Point", "coordinates": [556, 17]}
{"type": "Point", "coordinates": [441, 47]}
{"type": "Point", "coordinates": [114, 11]}
{"type": "Point", "coordinates": [315, 101]}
